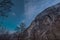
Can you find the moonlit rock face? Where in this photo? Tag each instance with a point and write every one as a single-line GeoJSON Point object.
{"type": "Point", "coordinates": [46, 25]}
{"type": "Point", "coordinates": [34, 7]}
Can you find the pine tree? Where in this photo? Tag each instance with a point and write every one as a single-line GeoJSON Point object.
{"type": "Point", "coordinates": [21, 27]}
{"type": "Point", "coordinates": [5, 7]}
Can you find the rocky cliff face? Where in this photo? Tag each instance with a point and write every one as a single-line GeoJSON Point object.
{"type": "Point", "coordinates": [46, 25]}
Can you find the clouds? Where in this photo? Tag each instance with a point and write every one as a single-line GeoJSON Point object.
{"type": "Point", "coordinates": [33, 7]}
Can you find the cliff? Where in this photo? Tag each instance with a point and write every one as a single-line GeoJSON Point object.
{"type": "Point", "coordinates": [46, 25]}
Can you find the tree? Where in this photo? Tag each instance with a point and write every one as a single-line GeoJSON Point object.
{"type": "Point", "coordinates": [5, 7]}
{"type": "Point", "coordinates": [21, 27]}
{"type": "Point", "coordinates": [19, 30]}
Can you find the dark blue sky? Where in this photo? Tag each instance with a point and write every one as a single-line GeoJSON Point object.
{"type": "Point", "coordinates": [26, 10]}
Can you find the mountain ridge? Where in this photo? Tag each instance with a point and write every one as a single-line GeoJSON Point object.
{"type": "Point", "coordinates": [45, 25]}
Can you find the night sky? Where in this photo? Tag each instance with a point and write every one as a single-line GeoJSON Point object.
{"type": "Point", "coordinates": [25, 11]}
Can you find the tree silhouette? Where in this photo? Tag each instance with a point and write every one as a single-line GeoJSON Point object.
{"type": "Point", "coordinates": [19, 30]}
{"type": "Point", "coordinates": [5, 7]}
{"type": "Point", "coordinates": [21, 27]}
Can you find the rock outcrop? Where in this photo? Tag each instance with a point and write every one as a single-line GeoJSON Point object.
{"type": "Point", "coordinates": [46, 25]}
